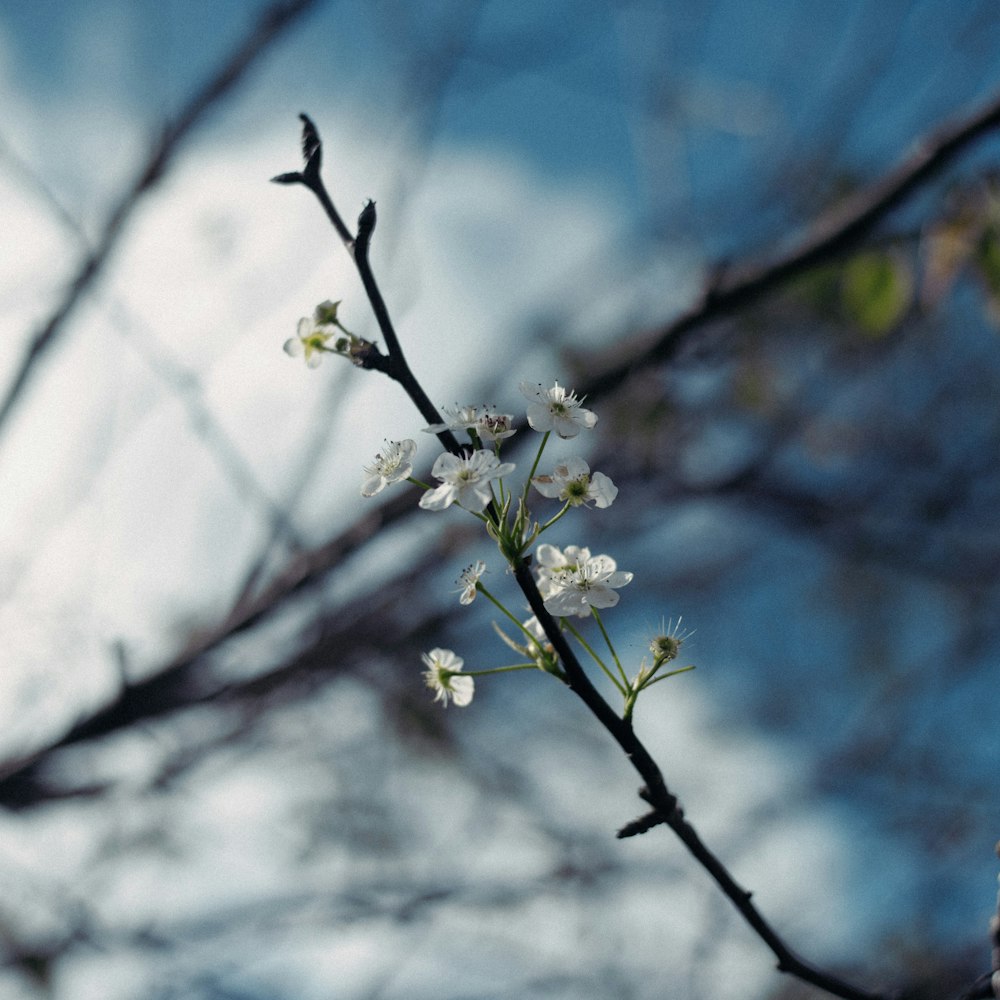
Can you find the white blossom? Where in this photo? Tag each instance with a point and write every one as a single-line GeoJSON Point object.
{"type": "Point", "coordinates": [488, 425]}
{"type": "Point", "coordinates": [313, 335]}
{"type": "Point", "coordinates": [310, 341]}
{"type": "Point", "coordinates": [458, 418]}
{"type": "Point", "coordinates": [495, 426]}
{"type": "Point", "coordinates": [556, 409]}
{"type": "Point", "coordinates": [572, 482]}
{"type": "Point", "coordinates": [465, 480]}
{"type": "Point", "coordinates": [392, 464]}
{"type": "Point", "coordinates": [444, 677]}
{"type": "Point", "coordinates": [468, 579]}
{"type": "Point", "coordinates": [572, 581]}
{"type": "Point", "coordinates": [551, 561]}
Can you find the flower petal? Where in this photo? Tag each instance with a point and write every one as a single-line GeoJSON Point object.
{"type": "Point", "coordinates": [565, 603]}
{"type": "Point", "coordinates": [602, 490]}
{"type": "Point", "coordinates": [547, 486]}
{"type": "Point", "coordinates": [462, 690]}
{"type": "Point", "coordinates": [602, 597]}
{"type": "Point", "coordinates": [372, 485]}
{"type": "Point", "coordinates": [439, 498]}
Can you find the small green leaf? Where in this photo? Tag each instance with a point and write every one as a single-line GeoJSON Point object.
{"type": "Point", "coordinates": [876, 291]}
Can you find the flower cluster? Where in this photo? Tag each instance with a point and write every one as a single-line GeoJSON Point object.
{"type": "Point", "coordinates": [571, 582]}
{"type": "Point", "coordinates": [482, 423]}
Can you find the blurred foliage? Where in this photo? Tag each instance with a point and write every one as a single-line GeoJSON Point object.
{"type": "Point", "coordinates": [872, 290]}
{"type": "Point", "coordinates": [877, 289]}
{"type": "Point", "coordinates": [966, 239]}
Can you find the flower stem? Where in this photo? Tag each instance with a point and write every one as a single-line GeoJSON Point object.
{"type": "Point", "coordinates": [482, 590]}
{"type": "Point", "coordinates": [670, 673]}
{"type": "Point", "coordinates": [552, 520]}
{"type": "Point", "coordinates": [607, 639]}
{"type": "Point", "coordinates": [583, 642]}
{"type": "Point", "coordinates": [534, 467]}
{"type": "Point", "coordinates": [498, 670]}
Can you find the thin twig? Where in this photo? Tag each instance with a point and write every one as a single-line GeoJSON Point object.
{"type": "Point", "coordinates": [394, 364]}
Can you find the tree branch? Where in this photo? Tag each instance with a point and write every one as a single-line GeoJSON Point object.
{"type": "Point", "coordinates": [655, 792]}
